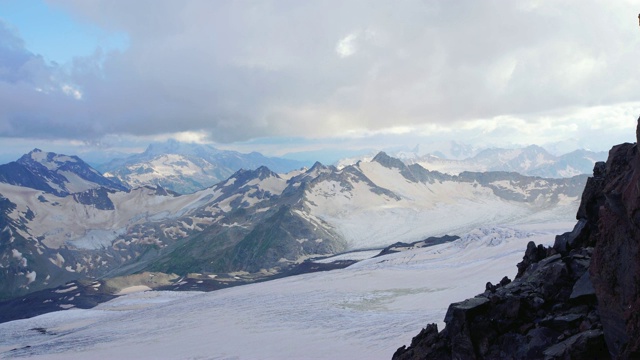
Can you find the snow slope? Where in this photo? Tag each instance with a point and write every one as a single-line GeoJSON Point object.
{"type": "Point", "coordinates": [62, 219]}
{"type": "Point", "coordinates": [364, 311]}
{"type": "Point", "coordinates": [368, 219]}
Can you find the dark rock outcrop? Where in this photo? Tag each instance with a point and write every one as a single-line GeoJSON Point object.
{"type": "Point", "coordinates": [577, 299]}
{"type": "Point", "coordinates": [615, 267]}
{"type": "Point", "coordinates": [430, 241]}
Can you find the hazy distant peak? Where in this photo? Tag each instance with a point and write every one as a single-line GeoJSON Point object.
{"type": "Point", "coordinates": [317, 166]}
{"type": "Point", "coordinates": [172, 146]}
{"type": "Point", "coordinates": [446, 150]}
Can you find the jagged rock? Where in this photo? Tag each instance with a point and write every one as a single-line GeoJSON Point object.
{"type": "Point", "coordinates": [586, 345]}
{"type": "Point", "coordinates": [416, 350]}
{"type": "Point", "coordinates": [573, 239]}
{"type": "Point", "coordinates": [537, 340]}
{"type": "Point", "coordinates": [532, 255]}
{"type": "Point", "coordinates": [458, 319]}
{"type": "Point", "coordinates": [96, 197]}
{"type": "Point", "coordinates": [562, 322]}
{"type": "Point", "coordinates": [638, 132]}
{"type": "Point", "coordinates": [592, 200]}
{"type": "Point", "coordinates": [583, 287]}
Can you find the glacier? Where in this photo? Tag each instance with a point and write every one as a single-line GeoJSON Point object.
{"type": "Point", "coordinates": [363, 311]}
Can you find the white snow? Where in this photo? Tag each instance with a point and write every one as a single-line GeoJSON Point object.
{"type": "Point", "coordinates": [97, 239]}
{"type": "Point", "coordinates": [274, 185]}
{"type": "Point", "coordinates": [69, 289]}
{"type": "Point", "coordinates": [365, 311]}
{"type": "Point", "coordinates": [41, 157]}
{"type": "Point", "coordinates": [76, 183]}
{"type": "Point", "coordinates": [18, 255]}
{"type": "Point", "coordinates": [31, 277]}
{"type": "Point", "coordinates": [230, 182]}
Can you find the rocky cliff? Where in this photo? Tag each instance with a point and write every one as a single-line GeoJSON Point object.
{"type": "Point", "coordinates": [577, 299]}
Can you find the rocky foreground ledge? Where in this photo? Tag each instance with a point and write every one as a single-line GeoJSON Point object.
{"type": "Point", "coordinates": [579, 299]}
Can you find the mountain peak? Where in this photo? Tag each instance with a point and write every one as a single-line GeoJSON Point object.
{"type": "Point", "coordinates": [243, 176]}
{"type": "Point", "coordinates": [264, 172]}
{"type": "Point", "coordinates": [387, 161]}
{"type": "Point", "coordinates": [317, 166]}
{"type": "Point", "coordinates": [50, 160]}
{"type": "Point", "coordinates": [54, 173]}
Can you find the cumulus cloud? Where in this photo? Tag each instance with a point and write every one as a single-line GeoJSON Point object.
{"type": "Point", "coordinates": [240, 70]}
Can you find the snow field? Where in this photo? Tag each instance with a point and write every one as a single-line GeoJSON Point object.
{"type": "Point", "coordinates": [366, 311]}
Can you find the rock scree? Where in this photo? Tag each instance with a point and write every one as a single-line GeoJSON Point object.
{"type": "Point", "coordinates": [579, 299]}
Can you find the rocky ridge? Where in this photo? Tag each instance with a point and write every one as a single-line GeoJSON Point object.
{"type": "Point", "coordinates": [577, 299]}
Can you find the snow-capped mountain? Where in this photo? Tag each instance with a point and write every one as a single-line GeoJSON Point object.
{"type": "Point", "coordinates": [186, 168]}
{"type": "Point", "coordinates": [532, 161]}
{"type": "Point", "coordinates": [53, 173]}
{"type": "Point", "coordinates": [451, 150]}
{"type": "Point", "coordinates": [257, 221]}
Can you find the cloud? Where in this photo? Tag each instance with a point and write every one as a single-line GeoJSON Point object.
{"type": "Point", "coordinates": [241, 70]}
{"type": "Point", "coordinates": [346, 46]}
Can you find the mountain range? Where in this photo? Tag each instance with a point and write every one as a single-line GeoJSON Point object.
{"type": "Point", "coordinates": [532, 160]}
{"type": "Point", "coordinates": [255, 222]}
{"type": "Point", "coordinates": [186, 167]}
{"type": "Point", "coordinates": [454, 158]}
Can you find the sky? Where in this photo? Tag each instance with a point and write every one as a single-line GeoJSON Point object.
{"type": "Point", "coordinates": [287, 77]}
